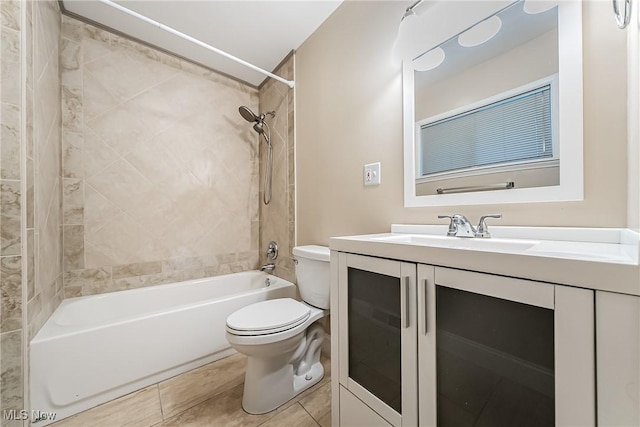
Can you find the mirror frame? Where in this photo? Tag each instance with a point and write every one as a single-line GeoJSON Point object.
{"type": "Point", "coordinates": [570, 130]}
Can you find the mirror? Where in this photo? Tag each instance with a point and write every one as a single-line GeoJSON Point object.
{"type": "Point", "coordinates": [494, 113]}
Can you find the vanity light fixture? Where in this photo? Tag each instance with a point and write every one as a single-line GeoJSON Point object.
{"type": "Point", "coordinates": [429, 60]}
{"type": "Point", "coordinates": [480, 33]}
{"type": "Point", "coordinates": [538, 6]}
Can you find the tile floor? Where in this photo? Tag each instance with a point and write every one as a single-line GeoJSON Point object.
{"type": "Point", "coordinates": [207, 396]}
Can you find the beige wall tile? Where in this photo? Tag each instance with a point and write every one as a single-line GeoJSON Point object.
{"type": "Point", "coordinates": [73, 247]}
{"type": "Point", "coordinates": [9, 85]}
{"type": "Point", "coordinates": [141, 408]}
{"type": "Point", "coordinates": [70, 63]}
{"type": "Point", "coordinates": [10, 217]}
{"type": "Point", "coordinates": [170, 177]}
{"type": "Point", "coordinates": [140, 269]}
{"type": "Point", "coordinates": [72, 155]}
{"type": "Point", "coordinates": [73, 201]}
{"type": "Point", "coordinates": [187, 390]}
{"type": "Point", "coordinates": [11, 389]}
{"type": "Point", "coordinates": [277, 220]}
{"type": "Point", "coordinates": [10, 136]}
{"type": "Point", "coordinates": [11, 295]}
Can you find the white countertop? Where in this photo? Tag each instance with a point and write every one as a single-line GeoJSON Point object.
{"type": "Point", "coordinates": [594, 258]}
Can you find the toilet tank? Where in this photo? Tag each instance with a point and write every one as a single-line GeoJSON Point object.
{"type": "Point", "coordinates": [312, 273]}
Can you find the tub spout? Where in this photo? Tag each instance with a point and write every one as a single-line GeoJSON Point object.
{"type": "Point", "coordinates": [268, 267]}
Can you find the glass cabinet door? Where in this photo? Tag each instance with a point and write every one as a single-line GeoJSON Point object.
{"type": "Point", "coordinates": [378, 318]}
{"type": "Point", "coordinates": [499, 352]}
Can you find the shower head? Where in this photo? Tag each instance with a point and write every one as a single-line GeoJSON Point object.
{"type": "Point", "coordinates": [259, 126]}
{"type": "Point", "coordinates": [248, 115]}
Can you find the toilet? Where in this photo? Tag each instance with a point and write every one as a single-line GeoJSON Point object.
{"type": "Point", "coordinates": [282, 338]}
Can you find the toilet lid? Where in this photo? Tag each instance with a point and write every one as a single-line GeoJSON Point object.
{"type": "Point", "coordinates": [280, 314]}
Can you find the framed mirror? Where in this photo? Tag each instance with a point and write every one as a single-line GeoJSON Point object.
{"type": "Point", "coordinates": [493, 114]}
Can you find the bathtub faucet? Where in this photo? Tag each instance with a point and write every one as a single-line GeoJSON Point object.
{"type": "Point", "coordinates": [268, 267]}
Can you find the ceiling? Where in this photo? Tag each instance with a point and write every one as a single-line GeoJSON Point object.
{"type": "Point", "coordinates": [259, 32]}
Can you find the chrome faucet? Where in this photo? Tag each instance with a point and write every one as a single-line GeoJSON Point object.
{"type": "Point", "coordinates": [461, 227]}
{"type": "Point", "coordinates": [268, 267]}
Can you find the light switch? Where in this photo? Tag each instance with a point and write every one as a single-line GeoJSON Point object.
{"type": "Point", "coordinates": [372, 174]}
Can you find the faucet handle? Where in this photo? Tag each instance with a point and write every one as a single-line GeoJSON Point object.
{"type": "Point", "coordinates": [483, 230]}
{"type": "Point", "coordinates": [453, 228]}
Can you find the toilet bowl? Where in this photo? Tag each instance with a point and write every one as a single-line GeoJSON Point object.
{"type": "Point", "coordinates": [282, 338]}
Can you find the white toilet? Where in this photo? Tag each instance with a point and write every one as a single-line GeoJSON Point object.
{"type": "Point", "coordinates": [280, 336]}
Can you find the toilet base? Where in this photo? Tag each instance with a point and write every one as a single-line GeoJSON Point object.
{"type": "Point", "coordinates": [272, 381]}
{"type": "Point", "coordinates": [257, 400]}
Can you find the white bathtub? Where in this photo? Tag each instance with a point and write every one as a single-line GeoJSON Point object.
{"type": "Point", "coordinates": [99, 347]}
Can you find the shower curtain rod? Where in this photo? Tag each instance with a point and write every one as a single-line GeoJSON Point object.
{"type": "Point", "coordinates": [184, 36]}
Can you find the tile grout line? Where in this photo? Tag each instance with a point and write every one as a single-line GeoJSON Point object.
{"type": "Point", "coordinates": [305, 410]}
{"type": "Point", "coordinates": [160, 400]}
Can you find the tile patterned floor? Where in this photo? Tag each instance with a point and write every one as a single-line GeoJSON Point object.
{"type": "Point", "coordinates": [207, 396]}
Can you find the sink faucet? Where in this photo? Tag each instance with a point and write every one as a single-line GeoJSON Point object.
{"type": "Point", "coordinates": [461, 227]}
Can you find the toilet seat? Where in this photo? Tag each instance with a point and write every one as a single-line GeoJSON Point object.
{"type": "Point", "coordinates": [268, 317]}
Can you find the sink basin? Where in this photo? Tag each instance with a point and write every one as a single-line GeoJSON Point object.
{"type": "Point", "coordinates": [490, 244]}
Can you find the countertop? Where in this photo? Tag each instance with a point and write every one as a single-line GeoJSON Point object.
{"type": "Point", "coordinates": [594, 258]}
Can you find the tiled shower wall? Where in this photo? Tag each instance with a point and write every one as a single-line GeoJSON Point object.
{"type": "Point", "coordinates": [160, 171]}
{"type": "Point", "coordinates": [43, 163]}
{"type": "Point", "coordinates": [277, 219]}
{"type": "Point", "coordinates": [31, 265]}
{"type": "Point", "coordinates": [11, 321]}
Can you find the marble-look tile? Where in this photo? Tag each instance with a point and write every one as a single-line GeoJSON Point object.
{"type": "Point", "coordinates": [30, 179]}
{"type": "Point", "coordinates": [10, 136]}
{"type": "Point", "coordinates": [294, 415]}
{"type": "Point", "coordinates": [71, 63]}
{"type": "Point", "coordinates": [31, 262]}
{"type": "Point", "coordinates": [11, 293]}
{"type": "Point", "coordinates": [10, 84]}
{"type": "Point", "coordinates": [185, 391]}
{"type": "Point", "coordinates": [318, 403]}
{"type": "Point", "coordinates": [97, 154]}
{"type": "Point", "coordinates": [97, 98]}
{"type": "Point", "coordinates": [11, 372]}
{"type": "Point", "coordinates": [142, 73]}
{"type": "Point", "coordinates": [182, 263]}
{"type": "Point", "coordinates": [140, 269]}
{"type": "Point", "coordinates": [71, 28]}
{"type": "Point", "coordinates": [34, 308]}
{"type": "Point", "coordinates": [10, 218]}
{"type": "Point", "coordinates": [141, 408]}
{"type": "Point", "coordinates": [29, 131]}
{"type": "Point", "coordinates": [73, 247]}
{"type": "Point", "coordinates": [119, 129]}
{"type": "Point", "coordinates": [72, 155]}
{"type": "Point", "coordinates": [72, 109]}
{"type": "Point", "coordinates": [88, 276]}
{"type": "Point", "coordinates": [73, 201]}
{"type": "Point", "coordinates": [91, 32]}
{"type": "Point", "coordinates": [10, 14]}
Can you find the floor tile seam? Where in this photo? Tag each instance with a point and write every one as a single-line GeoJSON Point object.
{"type": "Point", "coordinates": [199, 402]}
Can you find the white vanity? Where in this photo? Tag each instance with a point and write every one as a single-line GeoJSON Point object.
{"type": "Point", "coordinates": [533, 326]}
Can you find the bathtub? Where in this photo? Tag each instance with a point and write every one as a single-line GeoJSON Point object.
{"type": "Point", "coordinates": [96, 348]}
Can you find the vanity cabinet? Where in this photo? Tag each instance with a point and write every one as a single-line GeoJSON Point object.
{"type": "Point", "coordinates": [378, 356]}
{"type": "Point", "coordinates": [502, 351]}
{"type": "Point", "coordinates": [618, 349]}
{"type": "Point", "coordinates": [427, 345]}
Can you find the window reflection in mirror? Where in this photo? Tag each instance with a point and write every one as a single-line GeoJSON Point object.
{"type": "Point", "coordinates": [514, 51]}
